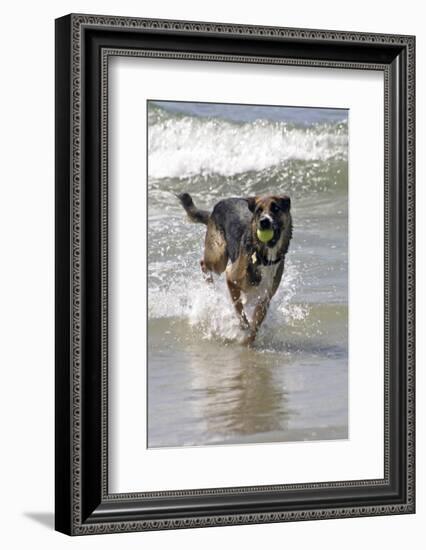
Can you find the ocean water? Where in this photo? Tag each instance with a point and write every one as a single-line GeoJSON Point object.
{"type": "Point", "coordinates": [204, 387]}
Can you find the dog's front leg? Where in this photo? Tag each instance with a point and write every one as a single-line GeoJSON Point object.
{"type": "Point", "coordinates": [262, 307]}
{"type": "Point", "coordinates": [235, 292]}
{"type": "Point", "coordinates": [258, 316]}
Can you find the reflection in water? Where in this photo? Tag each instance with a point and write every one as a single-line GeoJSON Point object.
{"type": "Point", "coordinates": [209, 392]}
{"type": "Point", "coordinates": [240, 395]}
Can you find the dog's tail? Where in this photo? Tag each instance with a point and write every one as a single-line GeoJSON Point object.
{"type": "Point", "coordinates": [194, 214]}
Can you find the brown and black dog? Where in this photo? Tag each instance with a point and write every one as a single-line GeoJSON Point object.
{"type": "Point", "coordinates": [255, 268]}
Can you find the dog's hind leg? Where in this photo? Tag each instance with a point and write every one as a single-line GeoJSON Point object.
{"type": "Point", "coordinates": [207, 274]}
{"type": "Point", "coordinates": [215, 252]}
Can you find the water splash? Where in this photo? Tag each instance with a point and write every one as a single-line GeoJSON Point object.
{"type": "Point", "coordinates": [207, 308]}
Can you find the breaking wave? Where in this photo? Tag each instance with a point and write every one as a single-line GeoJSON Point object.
{"type": "Point", "coordinates": [182, 146]}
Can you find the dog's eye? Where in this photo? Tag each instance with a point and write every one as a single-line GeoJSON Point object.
{"type": "Point", "coordinates": [274, 208]}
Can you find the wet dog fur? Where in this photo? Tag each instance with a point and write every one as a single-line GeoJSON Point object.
{"type": "Point", "coordinates": [253, 269]}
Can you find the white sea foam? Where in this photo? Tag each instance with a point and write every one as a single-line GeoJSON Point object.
{"type": "Point", "coordinates": [185, 146]}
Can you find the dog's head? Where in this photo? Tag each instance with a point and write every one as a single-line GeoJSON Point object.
{"type": "Point", "coordinates": [271, 212]}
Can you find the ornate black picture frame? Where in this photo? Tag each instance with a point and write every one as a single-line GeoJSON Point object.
{"type": "Point", "coordinates": [84, 44]}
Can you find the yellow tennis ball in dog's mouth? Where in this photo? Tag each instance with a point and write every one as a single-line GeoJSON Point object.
{"type": "Point", "coordinates": [265, 235]}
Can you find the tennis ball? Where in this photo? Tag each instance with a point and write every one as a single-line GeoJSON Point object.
{"type": "Point", "coordinates": [265, 235]}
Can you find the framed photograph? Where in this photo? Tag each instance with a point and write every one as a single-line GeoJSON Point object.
{"type": "Point", "coordinates": [234, 274]}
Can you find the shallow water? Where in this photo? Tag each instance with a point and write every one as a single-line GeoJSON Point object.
{"type": "Point", "coordinates": [203, 386]}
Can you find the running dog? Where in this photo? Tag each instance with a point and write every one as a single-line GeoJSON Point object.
{"type": "Point", "coordinates": [254, 268]}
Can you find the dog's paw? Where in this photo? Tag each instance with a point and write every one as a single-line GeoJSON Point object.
{"type": "Point", "coordinates": [249, 340]}
{"type": "Point", "coordinates": [208, 279]}
{"type": "Point", "coordinates": [244, 324]}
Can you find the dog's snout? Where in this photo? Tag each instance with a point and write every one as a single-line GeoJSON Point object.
{"type": "Point", "coordinates": [265, 223]}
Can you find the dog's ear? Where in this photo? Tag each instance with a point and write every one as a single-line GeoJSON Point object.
{"type": "Point", "coordinates": [251, 203]}
{"type": "Point", "coordinates": [284, 202]}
